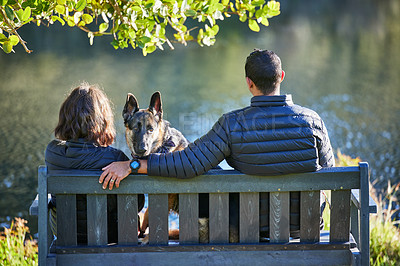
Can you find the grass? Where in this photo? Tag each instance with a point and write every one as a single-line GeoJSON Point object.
{"type": "Point", "coordinates": [15, 249]}
{"type": "Point", "coordinates": [385, 235]}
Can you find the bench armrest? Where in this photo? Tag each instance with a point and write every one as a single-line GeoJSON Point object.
{"type": "Point", "coordinates": [355, 198]}
{"type": "Point", "coordinates": [34, 208]}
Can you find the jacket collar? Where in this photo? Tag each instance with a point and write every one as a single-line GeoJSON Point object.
{"type": "Point", "coordinates": [276, 100]}
{"type": "Point", "coordinates": [80, 143]}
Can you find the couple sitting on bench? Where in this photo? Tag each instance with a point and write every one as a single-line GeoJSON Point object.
{"type": "Point", "coordinates": [272, 136]}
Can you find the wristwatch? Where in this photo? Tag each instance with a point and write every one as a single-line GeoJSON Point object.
{"type": "Point", "coordinates": [135, 165]}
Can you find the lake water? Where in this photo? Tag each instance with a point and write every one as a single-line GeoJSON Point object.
{"type": "Point", "coordinates": [341, 58]}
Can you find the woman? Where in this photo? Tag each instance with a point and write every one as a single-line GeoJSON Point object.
{"type": "Point", "coordinates": [84, 132]}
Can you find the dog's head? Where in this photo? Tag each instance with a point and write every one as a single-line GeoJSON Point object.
{"type": "Point", "coordinates": [144, 127]}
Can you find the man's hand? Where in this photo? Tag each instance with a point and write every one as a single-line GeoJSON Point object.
{"type": "Point", "coordinates": [114, 173]}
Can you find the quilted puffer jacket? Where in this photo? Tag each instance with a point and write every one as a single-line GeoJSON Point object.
{"type": "Point", "coordinates": [79, 154]}
{"type": "Point", "coordinates": [271, 136]}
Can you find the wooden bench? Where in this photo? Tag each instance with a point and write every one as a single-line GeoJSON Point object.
{"type": "Point", "coordinates": [347, 243]}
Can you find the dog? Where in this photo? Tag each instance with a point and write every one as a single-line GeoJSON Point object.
{"type": "Point", "coordinates": [147, 132]}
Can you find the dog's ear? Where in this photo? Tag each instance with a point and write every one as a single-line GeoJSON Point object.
{"type": "Point", "coordinates": [156, 104]}
{"type": "Point", "coordinates": [131, 107]}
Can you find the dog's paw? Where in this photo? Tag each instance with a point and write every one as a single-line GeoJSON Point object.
{"type": "Point", "coordinates": [145, 241]}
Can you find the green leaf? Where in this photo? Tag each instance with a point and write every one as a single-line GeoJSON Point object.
{"type": "Point", "coordinates": [3, 38]}
{"type": "Point", "coordinates": [27, 14]}
{"type": "Point", "coordinates": [103, 27]}
{"type": "Point", "coordinates": [150, 49]}
{"type": "Point", "coordinates": [3, 2]}
{"type": "Point", "coordinates": [273, 8]}
{"type": "Point", "coordinates": [61, 2]}
{"type": "Point", "coordinates": [215, 29]}
{"type": "Point", "coordinates": [273, 5]}
{"type": "Point", "coordinates": [265, 21]}
{"type": "Point", "coordinates": [243, 18]}
{"type": "Point", "coordinates": [19, 14]}
{"type": "Point", "coordinates": [148, 5]}
{"type": "Point", "coordinates": [115, 44]}
{"type": "Point", "coordinates": [70, 21]}
{"type": "Point", "coordinates": [9, 13]}
{"type": "Point", "coordinates": [225, 2]}
{"type": "Point", "coordinates": [54, 18]}
{"type": "Point", "coordinates": [80, 5]}
{"type": "Point", "coordinates": [7, 47]}
{"type": "Point", "coordinates": [257, 2]}
{"type": "Point", "coordinates": [132, 34]}
{"type": "Point", "coordinates": [259, 13]}
{"type": "Point", "coordinates": [190, 13]}
{"type": "Point", "coordinates": [13, 39]}
{"type": "Point", "coordinates": [60, 9]}
{"type": "Point", "coordinates": [136, 8]}
{"type": "Point", "coordinates": [144, 39]}
{"type": "Point", "coordinates": [87, 18]}
{"type": "Point", "coordinates": [253, 25]}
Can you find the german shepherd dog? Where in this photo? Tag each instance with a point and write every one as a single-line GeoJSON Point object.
{"type": "Point", "coordinates": [147, 132]}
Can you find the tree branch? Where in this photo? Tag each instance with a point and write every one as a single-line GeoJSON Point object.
{"type": "Point", "coordinates": [13, 30]}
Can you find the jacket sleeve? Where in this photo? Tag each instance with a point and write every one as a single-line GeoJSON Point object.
{"type": "Point", "coordinates": [197, 158]}
{"type": "Point", "coordinates": [325, 152]}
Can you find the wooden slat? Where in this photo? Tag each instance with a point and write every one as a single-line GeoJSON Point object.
{"type": "Point", "coordinates": [158, 219]}
{"type": "Point", "coordinates": [295, 257]}
{"type": "Point", "coordinates": [340, 216]}
{"type": "Point", "coordinates": [201, 248]}
{"type": "Point", "coordinates": [327, 178]}
{"type": "Point", "coordinates": [43, 216]}
{"type": "Point", "coordinates": [249, 218]}
{"type": "Point", "coordinates": [219, 218]}
{"type": "Point", "coordinates": [127, 219]}
{"type": "Point", "coordinates": [188, 218]}
{"type": "Point", "coordinates": [66, 220]}
{"type": "Point", "coordinates": [97, 219]}
{"type": "Point", "coordinates": [355, 198]}
{"type": "Point", "coordinates": [355, 223]}
{"type": "Point", "coordinates": [309, 216]}
{"type": "Point", "coordinates": [364, 213]}
{"type": "Point", "coordinates": [279, 217]}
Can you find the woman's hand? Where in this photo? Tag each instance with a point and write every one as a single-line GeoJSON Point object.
{"type": "Point", "coordinates": [114, 173]}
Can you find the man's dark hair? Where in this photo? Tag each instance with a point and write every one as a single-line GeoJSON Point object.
{"type": "Point", "coordinates": [264, 68]}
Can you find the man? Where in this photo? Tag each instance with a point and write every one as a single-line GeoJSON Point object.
{"type": "Point", "coordinates": [271, 136]}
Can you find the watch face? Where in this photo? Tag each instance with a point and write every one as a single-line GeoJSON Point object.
{"type": "Point", "coordinates": [135, 164]}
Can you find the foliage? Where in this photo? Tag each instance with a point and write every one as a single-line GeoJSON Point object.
{"type": "Point", "coordinates": [345, 160]}
{"type": "Point", "coordinates": [139, 23]}
{"type": "Point", "coordinates": [385, 235]}
{"type": "Point", "coordinates": [14, 248]}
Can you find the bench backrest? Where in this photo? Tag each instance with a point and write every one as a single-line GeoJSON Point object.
{"type": "Point", "coordinates": [218, 183]}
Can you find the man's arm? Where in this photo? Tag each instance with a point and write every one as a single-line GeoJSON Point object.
{"type": "Point", "coordinates": [196, 159]}
{"type": "Point", "coordinates": [325, 151]}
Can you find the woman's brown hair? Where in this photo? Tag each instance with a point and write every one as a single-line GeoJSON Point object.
{"type": "Point", "coordinates": [86, 113]}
